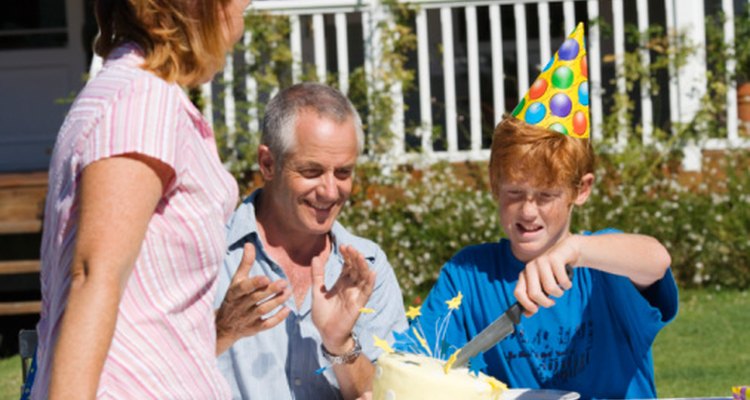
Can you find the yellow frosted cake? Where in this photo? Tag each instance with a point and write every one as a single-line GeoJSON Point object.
{"type": "Point", "coordinates": [404, 376]}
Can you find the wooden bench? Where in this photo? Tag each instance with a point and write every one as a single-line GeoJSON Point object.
{"type": "Point", "coordinates": [19, 267]}
{"type": "Point", "coordinates": [20, 307]}
{"type": "Point", "coordinates": [22, 198]}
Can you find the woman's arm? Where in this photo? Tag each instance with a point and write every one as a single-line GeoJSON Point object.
{"type": "Point", "coordinates": [117, 198]}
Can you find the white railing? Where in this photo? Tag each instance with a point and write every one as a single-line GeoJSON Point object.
{"type": "Point", "coordinates": [686, 85]}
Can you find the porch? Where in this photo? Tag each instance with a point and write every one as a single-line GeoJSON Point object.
{"type": "Point", "coordinates": [474, 59]}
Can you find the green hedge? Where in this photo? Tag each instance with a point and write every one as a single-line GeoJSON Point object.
{"type": "Point", "coordinates": [422, 215]}
{"type": "Point", "coordinates": [421, 218]}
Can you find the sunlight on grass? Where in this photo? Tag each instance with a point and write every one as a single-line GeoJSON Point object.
{"type": "Point", "coordinates": [10, 378]}
{"type": "Point", "coordinates": [705, 351]}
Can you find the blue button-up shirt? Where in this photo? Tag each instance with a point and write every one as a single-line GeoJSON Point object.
{"type": "Point", "coordinates": [281, 363]}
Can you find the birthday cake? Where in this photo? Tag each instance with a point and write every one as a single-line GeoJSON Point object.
{"type": "Point", "coordinates": [401, 376]}
{"type": "Point", "coordinates": [411, 369]}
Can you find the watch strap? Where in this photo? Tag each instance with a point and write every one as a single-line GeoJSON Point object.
{"type": "Point", "coordinates": [346, 358]}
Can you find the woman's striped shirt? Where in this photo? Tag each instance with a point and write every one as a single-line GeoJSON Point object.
{"type": "Point", "coordinates": [164, 341]}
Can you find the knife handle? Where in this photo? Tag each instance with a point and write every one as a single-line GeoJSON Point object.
{"type": "Point", "coordinates": [569, 271]}
{"type": "Point", "coordinates": [514, 313]}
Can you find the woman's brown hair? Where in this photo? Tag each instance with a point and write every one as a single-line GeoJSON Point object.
{"type": "Point", "coordinates": [183, 40]}
{"type": "Point", "coordinates": [523, 152]}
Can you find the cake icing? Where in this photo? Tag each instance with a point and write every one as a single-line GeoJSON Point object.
{"type": "Point", "coordinates": [404, 376]}
{"type": "Point", "coordinates": [412, 370]}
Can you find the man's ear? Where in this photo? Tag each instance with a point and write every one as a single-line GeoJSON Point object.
{"type": "Point", "coordinates": [584, 189]}
{"type": "Point", "coordinates": [266, 163]}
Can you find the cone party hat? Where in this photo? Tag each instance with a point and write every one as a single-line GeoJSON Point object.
{"type": "Point", "coordinates": [559, 98]}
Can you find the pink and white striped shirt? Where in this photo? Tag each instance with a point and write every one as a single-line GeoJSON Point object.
{"type": "Point", "coordinates": [164, 341]}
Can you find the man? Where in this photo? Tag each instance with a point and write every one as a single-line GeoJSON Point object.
{"type": "Point", "coordinates": [315, 293]}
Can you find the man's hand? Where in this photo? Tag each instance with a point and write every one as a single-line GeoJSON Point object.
{"type": "Point", "coordinates": [335, 311]}
{"type": "Point", "coordinates": [248, 300]}
{"type": "Point", "coordinates": [545, 277]}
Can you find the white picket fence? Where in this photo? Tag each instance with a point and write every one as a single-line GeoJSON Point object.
{"type": "Point", "coordinates": [686, 85]}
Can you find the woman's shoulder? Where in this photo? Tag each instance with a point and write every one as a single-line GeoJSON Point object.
{"type": "Point", "coordinates": [134, 83]}
{"type": "Point", "coordinates": [122, 76]}
{"type": "Point", "coordinates": [120, 94]}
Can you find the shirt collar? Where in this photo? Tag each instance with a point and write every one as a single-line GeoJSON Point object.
{"type": "Point", "coordinates": [243, 222]}
{"type": "Point", "coordinates": [516, 265]}
{"type": "Point", "coordinates": [129, 52]}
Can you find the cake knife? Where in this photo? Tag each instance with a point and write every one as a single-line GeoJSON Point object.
{"type": "Point", "coordinates": [498, 330]}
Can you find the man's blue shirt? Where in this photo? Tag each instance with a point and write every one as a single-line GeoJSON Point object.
{"type": "Point", "coordinates": [281, 363]}
{"type": "Point", "coordinates": [596, 340]}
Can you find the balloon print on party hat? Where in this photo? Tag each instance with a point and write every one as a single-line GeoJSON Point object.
{"type": "Point", "coordinates": [559, 98]}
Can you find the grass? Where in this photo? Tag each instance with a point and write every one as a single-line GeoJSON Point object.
{"type": "Point", "coordinates": [10, 378]}
{"type": "Point", "coordinates": [706, 349]}
{"type": "Point", "coordinates": [704, 352]}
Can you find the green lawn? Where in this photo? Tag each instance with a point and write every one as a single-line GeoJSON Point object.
{"type": "Point", "coordinates": [704, 352]}
{"type": "Point", "coordinates": [10, 378]}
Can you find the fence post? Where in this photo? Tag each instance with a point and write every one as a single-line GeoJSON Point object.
{"type": "Point", "coordinates": [691, 79]}
{"type": "Point", "coordinates": [373, 21]}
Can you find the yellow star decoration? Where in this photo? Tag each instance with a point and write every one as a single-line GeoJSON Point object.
{"type": "Point", "coordinates": [383, 344]}
{"type": "Point", "coordinates": [414, 312]}
{"type": "Point", "coordinates": [496, 385]}
{"type": "Point", "coordinates": [455, 302]}
{"type": "Point", "coordinates": [422, 341]}
{"type": "Point", "coordinates": [451, 360]}
{"type": "Point", "coordinates": [365, 310]}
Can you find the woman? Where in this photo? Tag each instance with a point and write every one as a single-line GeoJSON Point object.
{"type": "Point", "coordinates": [135, 213]}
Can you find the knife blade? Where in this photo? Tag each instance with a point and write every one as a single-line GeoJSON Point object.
{"type": "Point", "coordinates": [491, 335]}
{"type": "Point", "coordinates": [498, 330]}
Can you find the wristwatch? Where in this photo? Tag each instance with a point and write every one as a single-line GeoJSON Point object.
{"type": "Point", "coordinates": [346, 358]}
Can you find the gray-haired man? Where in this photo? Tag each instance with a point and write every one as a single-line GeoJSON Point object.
{"type": "Point", "coordinates": [307, 264]}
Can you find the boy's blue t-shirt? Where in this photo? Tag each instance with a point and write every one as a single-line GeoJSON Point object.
{"type": "Point", "coordinates": [596, 340]}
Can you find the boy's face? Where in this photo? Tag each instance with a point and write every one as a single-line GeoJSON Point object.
{"type": "Point", "coordinates": [535, 218]}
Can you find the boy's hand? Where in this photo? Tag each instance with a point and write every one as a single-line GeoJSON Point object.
{"type": "Point", "coordinates": [545, 277]}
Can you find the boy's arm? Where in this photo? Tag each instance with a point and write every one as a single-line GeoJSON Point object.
{"type": "Point", "coordinates": [640, 258]}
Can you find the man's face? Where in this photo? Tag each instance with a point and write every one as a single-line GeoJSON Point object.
{"type": "Point", "coordinates": [534, 218]}
{"type": "Point", "coordinates": [316, 178]}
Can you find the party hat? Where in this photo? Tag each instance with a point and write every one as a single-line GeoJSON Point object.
{"type": "Point", "coordinates": [559, 98]}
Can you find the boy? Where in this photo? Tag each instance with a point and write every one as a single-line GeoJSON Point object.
{"type": "Point", "coordinates": [593, 333]}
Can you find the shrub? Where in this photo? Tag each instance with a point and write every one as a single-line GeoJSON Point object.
{"type": "Point", "coordinates": [422, 217]}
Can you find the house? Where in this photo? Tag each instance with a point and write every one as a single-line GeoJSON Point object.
{"type": "Point", "coordinates": [474, 58]}
{"type": "Point", "coordinates": [44, 56]}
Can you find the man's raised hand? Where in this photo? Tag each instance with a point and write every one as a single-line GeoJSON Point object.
{"type": "Point", "coordinates": [335, 311]}
{"type": "Point", "coordinates": [247, 303]}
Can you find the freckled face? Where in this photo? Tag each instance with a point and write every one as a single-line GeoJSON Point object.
{"type": "Point", "coordinates": [317, 176]}
{"type": "Point", "coordinates": [533, 218]}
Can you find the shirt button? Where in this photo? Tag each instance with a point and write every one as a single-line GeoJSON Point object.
{"type": "Point", "coordinates": [297, 381]}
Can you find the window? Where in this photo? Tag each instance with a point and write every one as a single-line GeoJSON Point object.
{"type": "Point", "coordinates": [29, 24]}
